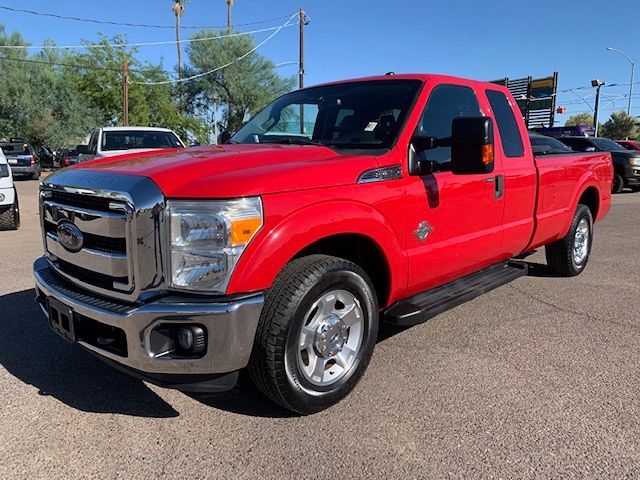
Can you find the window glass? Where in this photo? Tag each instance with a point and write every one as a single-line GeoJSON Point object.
{"type": "Point", "coordinates": [93, 142]}
{"type": "Point", "coordinates": [132, 139]}
{"type": "Point", "coordinates": [445, 103]}
{"type": "Point", "coordinates": [579, 144]}
{"type": "Point", "coordinates": [507, 126]}
{"type": "Point", "coordinates": [354, 115]}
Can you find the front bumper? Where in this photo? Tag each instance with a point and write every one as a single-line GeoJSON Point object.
{"type": "Point", "coordinates": [9, 197]}
{"type": "Point", "coordinates": [230, 324]}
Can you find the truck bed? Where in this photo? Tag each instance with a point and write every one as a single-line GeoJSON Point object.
{"type": "Point", "coordinates": [558, 174]}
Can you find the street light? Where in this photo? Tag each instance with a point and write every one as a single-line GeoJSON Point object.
{"type": "Point", "coordinates": [633, 69]}
{"type": "Point", "coordinates": [597, 84]}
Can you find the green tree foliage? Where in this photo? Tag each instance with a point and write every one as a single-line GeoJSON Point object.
{"type": "Point", "coordinates": [149, 105]}
{"type": "Point", "coordinates": [580, 119]}
{"type": "Point", "coordinates": [244, 87]}
{"type": "Point", "coordinates": [620, 126]}
{"type": "Point", "coordinates": [36, 102]}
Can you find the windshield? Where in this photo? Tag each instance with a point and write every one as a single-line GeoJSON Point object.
{"type": "Point", "coordinates": [130, 139]}
{"type": "Point", "coordinates": [347, 115]}
{"type": "Point", "coordinates": [15, 149]}
{"type": "Point", "coordinates": [607, 145]}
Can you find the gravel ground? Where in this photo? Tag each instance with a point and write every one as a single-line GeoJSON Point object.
{"type": "Point", "coordinates": [538, 378]}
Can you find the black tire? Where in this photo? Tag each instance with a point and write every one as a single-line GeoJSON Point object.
{"type": "Point", "coordinates": [560, 254]}
{"type": "Point", "coordinates": [273, 367]}
{"type": "Point", "coordinates": [10, 218]}
{"type": "Point", "coordinates": [618, 183]}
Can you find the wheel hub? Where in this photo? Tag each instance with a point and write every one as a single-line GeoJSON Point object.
{"type": "Point", "coordinates": [331, 337]}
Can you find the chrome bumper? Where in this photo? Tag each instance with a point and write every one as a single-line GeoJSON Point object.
{"type": "Point", "coordinates": [230, 325]}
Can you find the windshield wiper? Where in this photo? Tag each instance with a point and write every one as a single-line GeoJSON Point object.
{"type": "Point", "coordinates": [296, 141]}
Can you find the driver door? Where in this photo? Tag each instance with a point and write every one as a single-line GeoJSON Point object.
{"type": "Point", "coordinates": [454, 221]}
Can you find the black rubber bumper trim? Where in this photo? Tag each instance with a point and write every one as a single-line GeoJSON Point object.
{"type": "Point", "coordinates": [201, 383]}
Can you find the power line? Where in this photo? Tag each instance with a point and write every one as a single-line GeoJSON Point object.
{"type": "Point", "coordinates": [43, 62]}
{"type": "Point", "coordinates": [137, 44]}
{"type": "Point", "coordinates": [203, 74]}
{"type": "Point", "coordinates": [126, 24]}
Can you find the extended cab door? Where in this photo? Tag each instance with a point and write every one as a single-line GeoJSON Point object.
{"type": "Point", "coordinates": [454, 221]}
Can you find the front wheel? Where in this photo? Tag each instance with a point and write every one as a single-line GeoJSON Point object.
{"type": "Point", "coordinates": [316, 333]}
{"type": "Point", "coordinates": [10, 219]}
{"type": "Point", "coordinates": [569, 255]}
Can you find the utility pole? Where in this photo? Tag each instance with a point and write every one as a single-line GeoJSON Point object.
{"type": "Point", "coordinates": [215, 119]}
{"type": "Point", "coordinates": [598, 84]}
{"type": "Point", "coordinates": [125, 92]}
{"type": "Point", "coordinates": [633, 71]}
{"type": "Point", "coordinates": [229, 6]}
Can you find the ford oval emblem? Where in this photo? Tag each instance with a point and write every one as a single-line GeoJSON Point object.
{"type": "Point", "coordinates": [70, 237]}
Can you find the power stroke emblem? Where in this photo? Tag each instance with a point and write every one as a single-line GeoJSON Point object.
{"type": "Point", "coordinates": [70, 237]}
{"type": "Point", "coordinates": [423, 231]}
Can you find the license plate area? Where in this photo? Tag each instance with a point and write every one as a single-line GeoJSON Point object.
{"type": "Point", "coordinates": [61, 319]}
{"type": "Point", "coordinates": [12, 161]}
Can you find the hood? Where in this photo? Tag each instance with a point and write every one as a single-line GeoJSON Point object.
{"type": "Point", "coordinates": [225, 171]}
{"type": "Point", "coordinates": [623, 156]}
{"type": "Point", "coordinates": [115, 153]}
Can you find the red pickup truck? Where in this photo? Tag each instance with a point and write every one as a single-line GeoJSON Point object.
{"type": "Point", "coordinates": [389, 198]}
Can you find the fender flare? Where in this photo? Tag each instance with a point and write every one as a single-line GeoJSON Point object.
{"type": "Point", "coordinates": [275, 246]}
{"type": "Point", "coordinates": [588, 180]}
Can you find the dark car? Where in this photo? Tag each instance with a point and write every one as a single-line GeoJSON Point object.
{"type": "Point", "coordinates": [47, 158]}
{"type": "Point", "coordinates": [543, 145]}
{"type": "Point", "coordinates": [633, 145]}
{"type": "Point", "coordinates": [626, 163]}
{"type": "Point", "coordinates": [22, 159]}
{"type": "Point", "coordinates": [68, 157]}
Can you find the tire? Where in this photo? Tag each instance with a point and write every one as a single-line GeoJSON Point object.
{"type": "Point", "coordinates": [563, 256]}
{"type": "Point", "coordinates": [301, 297]}
{"type": "Point", "coordinates": [10, 218]}
{"type": "Point", "coordinates": [618, 183]}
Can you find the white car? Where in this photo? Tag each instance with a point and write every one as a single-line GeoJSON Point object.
{"type": "Point", "coordinates": [9, 209]}
{"type": "Point", "coordinates": [111, 141]}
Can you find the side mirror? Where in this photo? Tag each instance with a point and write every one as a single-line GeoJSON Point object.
{"type": "Point", "coordinates": [224, 137]}
{"type": "Point", "coordinates": [419, 144]}
{"type": "Point", "coordinates": [472, 145]}
{"type": "Point", "coordinates": [83, 149]}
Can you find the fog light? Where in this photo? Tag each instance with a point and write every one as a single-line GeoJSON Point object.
{"type": "Point", "coordinates": [2, 197]}
{"type": "Point", "coordinates": [191, 339]}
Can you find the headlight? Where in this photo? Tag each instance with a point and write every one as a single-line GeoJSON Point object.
{"type": "Point", "coordinates": [635, 162]}
{"type": "Point", "coordinates": [207, 239]}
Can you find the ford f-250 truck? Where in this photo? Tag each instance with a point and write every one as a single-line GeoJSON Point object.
{"type": "Point", "coordinates": [389, 198]}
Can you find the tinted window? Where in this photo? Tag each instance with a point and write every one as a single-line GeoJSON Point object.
{"type": "Point", "coordinates": [542, 145]}
{"type": "Point", "coordinates": [608, 145]}
{"type": "Point", "coordinates": [130, 139]}
{"type": "Point", "coordinates": [507, 125]}
{"type": "Point", "coordinates": [346, 115]}
{"type": "Point", "coordinates": [445, 103]}
{"type": "Point", "coordinates": [579, 144]}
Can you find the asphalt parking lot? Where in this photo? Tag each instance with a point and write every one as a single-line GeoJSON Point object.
{"type": "Point", "coordinates": [539, 378]}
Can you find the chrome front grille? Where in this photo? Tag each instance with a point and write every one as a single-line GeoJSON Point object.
{"type": "Point", "coordinates": [120, 254]}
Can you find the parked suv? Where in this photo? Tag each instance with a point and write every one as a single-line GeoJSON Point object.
{"type": "Point", "coordinates": [112, 141]}
{"type": "Point", "coordinates": [626, 163]}
{"type": "Point", "coordinates": [22, 158]}
{"type": "Point", "coordinates": [9, 209]}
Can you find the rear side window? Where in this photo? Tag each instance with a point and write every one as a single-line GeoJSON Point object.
{"type": "Point", "coordinates": [445, 103]}
{"type": "Point", "coordinates": [507, 126]}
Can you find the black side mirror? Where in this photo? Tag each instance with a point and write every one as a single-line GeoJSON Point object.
{"type": "Point", "coordinates": [419, 144]}
{"type": "Point", "coordinates": [83, 149]}
{"type": "Point", "coordinates": [472, 145]}
{"type": "Point", "coordinates": [224, 137]}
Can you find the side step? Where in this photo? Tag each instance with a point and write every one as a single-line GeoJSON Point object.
{"type": "Point", "coordinates": [426, 305]}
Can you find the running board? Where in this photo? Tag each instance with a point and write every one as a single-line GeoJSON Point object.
{"type": "Point", "coordinates": [426, 305]}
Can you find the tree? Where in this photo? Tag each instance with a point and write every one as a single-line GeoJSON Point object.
{"type": "Point", "coordinates": [178, 10]}
{"type": "Point", "coordinates": [36, 100]}
{"type": "Point", "coordinates": [244, 82]}
{"type": "Point", "coordinates": [579, 119]}
{"type": "Point", "coordinates": [620, 126]}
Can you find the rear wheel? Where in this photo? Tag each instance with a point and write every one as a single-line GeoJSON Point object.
{"type": "Point", "coordinates": [316, 333]}
{"type": "Point", "coordinates": [569, 255]}
{"type": "Point", "coordinates": [618, 183]}
{"type": "Point", "coordinates": [10, 219]}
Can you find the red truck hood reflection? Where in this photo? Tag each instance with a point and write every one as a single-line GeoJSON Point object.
{"type": "Point", "coordinates": [238, 170]}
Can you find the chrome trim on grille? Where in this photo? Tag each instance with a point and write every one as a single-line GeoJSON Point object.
{"type": "Point", "coordinates": [112, 264]}
{"type": "Point", "coordinates": [105, 224]}
{"type": "Point", "coordinates": [130, 208]}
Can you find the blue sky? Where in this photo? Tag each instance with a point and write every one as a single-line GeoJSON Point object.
{"type": "Point", "coordinates": [483, 40]}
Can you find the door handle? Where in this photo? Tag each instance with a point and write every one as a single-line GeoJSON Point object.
{"type": "Point", "coordinates": [498, 181]}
